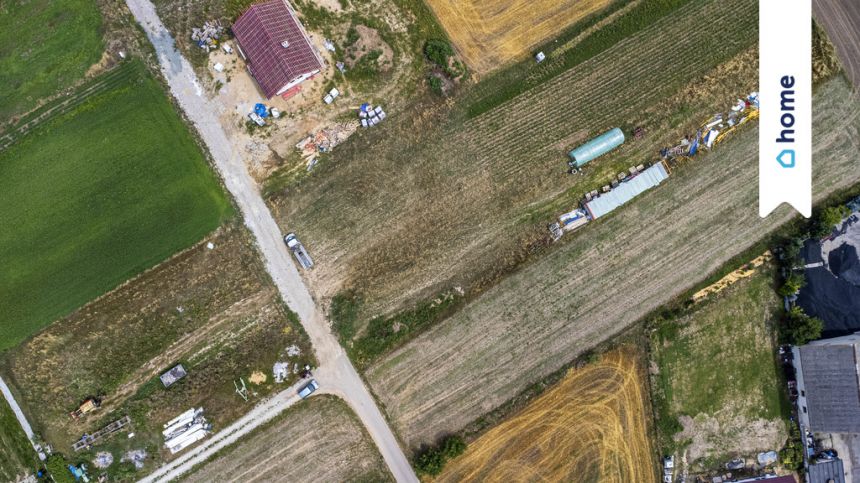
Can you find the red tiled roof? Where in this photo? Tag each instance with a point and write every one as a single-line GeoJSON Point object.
{"type": "Point", "coordinates": [260, 32]}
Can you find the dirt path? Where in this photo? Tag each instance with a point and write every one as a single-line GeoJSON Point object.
{"type": "Point", "coordinates": [841, 20]}
{"type": "Point", "coordinates": [25, 425]}
{"type": "Point", "coordinates": [336, 374]}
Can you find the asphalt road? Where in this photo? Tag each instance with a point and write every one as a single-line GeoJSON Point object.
{"type": "Point", "coordinates": [336, 374]}
{"type": "Point", "coordinates": [841, 20]}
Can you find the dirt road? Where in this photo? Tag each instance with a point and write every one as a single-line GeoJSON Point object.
{"type": "Point", "coordinates": [336, 374]}
{"type": "Point", "coordinates": [841, 20]}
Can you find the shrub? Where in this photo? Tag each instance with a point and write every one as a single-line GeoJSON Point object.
{"type": "Point", "coordinates": [435, 84]}
{"type": "Point", "coordinates": [801, 328]}
{"type": "Point", "coordinates": [59, 469]}
{"type": "Point", "coordinates": [438, 52]}
{"type": "Point", "coordinates": [793, 283]}
{"type": "Point", "coordinates": [351, 36]}
{"type": "Point", "coordinates": [432, 460]}
{"type": "Point", "coordinates": [829, 218]}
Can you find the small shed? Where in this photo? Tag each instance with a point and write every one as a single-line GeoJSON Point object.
{"type": "Point", "coordinates": [173, 375]}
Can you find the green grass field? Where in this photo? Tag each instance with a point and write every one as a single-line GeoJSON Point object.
{"type": "Point", "coordinates": [17, 457]}
{"type": "Point", "coordinates": [34, 65]}
{"type": "Point", "coordinates": [96, 195]}
{"type": "Point", "coordinates": [717, 366]}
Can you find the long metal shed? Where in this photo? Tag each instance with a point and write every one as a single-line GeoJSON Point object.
{"type": "Point", "coordinates": [627, 190]}
{"type": "Point", "coordinates": [597, 147]}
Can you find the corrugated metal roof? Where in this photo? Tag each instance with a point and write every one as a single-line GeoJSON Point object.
{"type": "Point", "coordinates": [832, 388]}
{"type": "Point", "coordinates": [627, 190]}
{"type": "Point", "coordinates": [260, 32]}
{"type": "Point", "coordinates": [827, 472]}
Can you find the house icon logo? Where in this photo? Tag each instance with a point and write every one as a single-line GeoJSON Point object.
{"type": "Point", "coordinates": [786, 158]}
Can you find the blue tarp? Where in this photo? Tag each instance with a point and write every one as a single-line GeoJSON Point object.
{"type": "Point", "coordinates": [261, 110]}
{"type": "Point", "coordinates": [627, 190]}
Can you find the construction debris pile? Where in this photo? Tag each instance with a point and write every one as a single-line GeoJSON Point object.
{"type": "Point", "coordinates": [325, 139]}
{"type": "Point", "coordinates": [207, 37]}
{"type": "Point", "coordinates": [716, 129]}
{"type": "Point", "coordinates": [638, 179]}
{"type": "Point", "coordinates": [370, 116]}
{"type": "Point", "coordinates": [185, 430]}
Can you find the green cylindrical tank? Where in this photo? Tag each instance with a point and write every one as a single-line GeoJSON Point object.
{"type": "Point", "coordinates": [596, 147]}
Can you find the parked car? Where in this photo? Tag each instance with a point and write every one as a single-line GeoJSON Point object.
{"type": "Point", "coordinates": [309, 389]}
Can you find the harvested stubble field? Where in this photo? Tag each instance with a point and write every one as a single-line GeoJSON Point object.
{"type": "Point", "coordinates": [215, 311]}
{"type": "Point", "coordinates": [717, 387]}
{"type": "Point", "coordinates": [318, 440]}
{"type": "Point", "coordinates": [611, 274]}
{"type": "Point", "coordinates": [425, 204]}
{"type": "Point", "coordinates": [96, 195]}
{"type": "Point", "coordinates": [592, 426]}
{"type": "Point", "coordinates": [489, 35]}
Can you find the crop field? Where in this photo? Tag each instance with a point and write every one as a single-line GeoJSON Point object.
{"type": "Point", "coordinates": [717, 386]}
{"type": "Point", "coordinates": [215, 311]}
{"type": "Point", "coordinates": [608, 276]}
{"type": "Point", "coordinates": [17, 458]}
{"type": "Point", "coordinates": [317, 440]}
{"type": "Point", "coordinates": [490, 34]}
{"type": "Point", "coordinates": [94, 196]}
{"type": "Point", "coordinates": [592, 426]}
{"type": "Point", "coordinates": [33, 65]}
{"type": "Point", "coordinates": [464, 201]}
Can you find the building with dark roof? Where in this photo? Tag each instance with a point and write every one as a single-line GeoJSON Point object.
{"type": "Point", "coordinates": [831, 471]}
{"type": "Point", "coordinates": [828, 384]}
{"type": "Point", "coordinates": [276, 47]}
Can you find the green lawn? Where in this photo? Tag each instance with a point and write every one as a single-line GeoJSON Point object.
{"type": "Point", "coordinates": [717, 366]}
{"type": "Point", "coordinates": [17, 457]}
{"type": "Point", "coordinates": [45, 46]}
{"type": "Point", "coordinates": [95, 196]}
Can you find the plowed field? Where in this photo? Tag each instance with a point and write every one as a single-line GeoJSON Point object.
{"type": "Point", "coordinates": [489, 34]}
{"type": "Point", "coordinates": [592, 426]}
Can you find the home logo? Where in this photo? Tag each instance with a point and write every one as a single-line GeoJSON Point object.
{"type": "Point", "coordinates": [786, 159]}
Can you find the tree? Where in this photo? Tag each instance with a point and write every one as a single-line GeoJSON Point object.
{"type": "Point", "coordinates": [438, 51]}
{"type": "Point", "coordinates": [431, 462]}
{"type": "Point", "coordinates": [453, 447]}
{"type": "Point", "coordinates": [829, 218]}
{"type": "Point", "coordinates": [793, 283]}
{"type": "Point", "coordinates": [802, 328]}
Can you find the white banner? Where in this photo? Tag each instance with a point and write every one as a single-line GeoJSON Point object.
{"type": "Point", "coordinates": [785, 93]}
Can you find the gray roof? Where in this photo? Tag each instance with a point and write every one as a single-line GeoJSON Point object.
{"type": "Point", "coordinates": [827, 472]}
{"type": "Point", "coordinates": [627, 190]}
{"type": "Point", "coordinates": [832, 388]}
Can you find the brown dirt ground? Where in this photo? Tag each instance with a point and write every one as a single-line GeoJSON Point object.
{"type": "Point", "coordinates": [490, 34]}
{"type": "Point", "coordinates": [601, 281]}
{"type": "Point", "coordinates": [318, 440]}
{"type": "Point", "coordinates": [429, 202]}
{"type": "Point", "coordinates": [592, 426]}
{"type": "Point", "coordinates": [214, 310]}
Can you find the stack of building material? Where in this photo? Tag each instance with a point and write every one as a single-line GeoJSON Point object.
{"type": "Point", "coordinates": [207, 36]}
{"type": "Point", "coordinates": [370, 116]}
{"type": "Point", "coordinates": [185, 430]}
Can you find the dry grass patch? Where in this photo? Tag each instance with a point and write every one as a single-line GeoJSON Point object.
{"type": "Point", "coordinates": [489, 34]}
{"type": "Point", "coordinates": [592, 426]}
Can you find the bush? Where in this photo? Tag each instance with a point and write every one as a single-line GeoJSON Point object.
{"type": "Point", "coordinates": [828, 219]}
{"type": "Point", "coordinates": [793, 283]}
{"type": "Point", "coordinates": [435, 84]}
{"type": "Point", "coordinates": [351, 36]}
{"type": "Point", "coordinates": [438, 52]}
{"type": "Point", "coordinates": [59, 469]}
{"type": "Point", "coordinates": [432, 460]}
{"type": "Point", "coordinates": [801, 328]}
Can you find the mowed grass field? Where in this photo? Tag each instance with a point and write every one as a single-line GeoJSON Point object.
{"type": "Point", "coordinates": [17, 457]}
{"type": "Point", "coordinates": [490, 34]}
{"type": "Point", "coordinates": [592, 426]}
{"type": "Point", "coordinates": [95, 196]}
{"type": "Point", "coordinates": [436, 201]}
{"type": "Point", "coordinates": [45, 46]}
{"type": "Point", "coordinates": [316, 440]}
{"type": "Point", "coordinates": [606, 277]}
{"type": "Point", "coordinates": [717, 388]}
